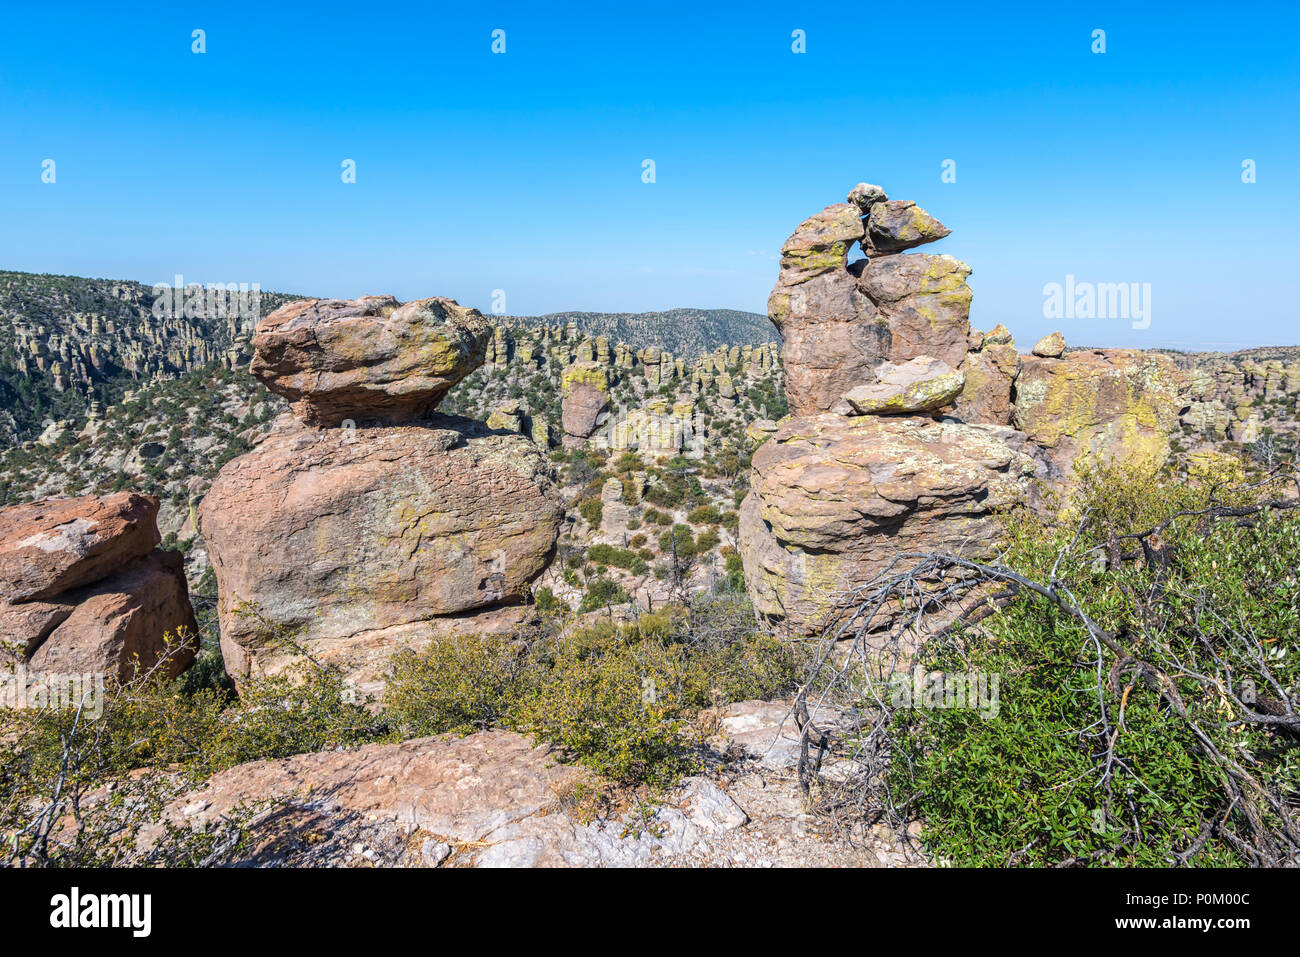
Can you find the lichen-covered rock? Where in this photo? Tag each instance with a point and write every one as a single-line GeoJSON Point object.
{"type": "Point", "coordinates": [833, 500]}
{"type": "Point", "coordinates": [821, 243]}
{"type": "Point", "coordinates": [924, 301]}
{"type": "Point", "coordinates": [991, 368]}
{"type": "Point", "coordinates": [1105, 405]}
{"type": "Point", "coordinates": [508, 416]}
{"type": "Point", "coordinates": [351, 539]}
{"type": "Point", "coordinates": [898, 224]}
{"type": "Point", "coordinates": [922, 384]}
{"type": "Point", "coordinates": [584, 390]}
{"type": "Point", "coordinates": [1051, 346]}
{"type": "Point", "coordinates": [368, 359]}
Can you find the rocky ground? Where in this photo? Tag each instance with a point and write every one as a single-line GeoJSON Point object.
{"type": "Point", "coordinates": [492, 799]}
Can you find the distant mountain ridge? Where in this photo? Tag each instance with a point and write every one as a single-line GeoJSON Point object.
{"type": "Point", "coordinates": [683, 331]}
{"type": "Point", "coordinates": [68, 341]}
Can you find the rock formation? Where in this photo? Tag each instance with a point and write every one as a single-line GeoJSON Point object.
{"type": "Point", "coordinates": [369, 358]}
{"type": "Point", "coordinates": [585, 390]}
{"type": "Point", "coordinates": [354, 542]}
{"type": "Point", "coordinates": [841, 320]}
{"type": "Point", "coordinates": [84, 590]}
{"type": "Point", "coordinates": [868, 466]}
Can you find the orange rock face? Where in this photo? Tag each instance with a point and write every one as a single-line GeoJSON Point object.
{"type": "Point", "coordinates": [359, 541]}
{"type": "Point", "coordinates": [86, 591]}
{"type": "Point", "coordinates": [50, 547]}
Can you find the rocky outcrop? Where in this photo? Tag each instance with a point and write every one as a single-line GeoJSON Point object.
{"type": "Point", "coordinates": [347, 544]}
{"type": "Point", "coordinates": [367, 359]}
{"type": "Point", "coordinates": [85, 591]}
{"type": "Point", "coordinates": [1106, 404]}
{"type": "Point", "coordinates": [584, 387]}
{"type": "Point", "coordinates": [922, 384]}
{"type": "Point", "coordinates": [835, 499]}
{"type": "Point", "coordinates": [840, 321]}
{"type": "Point", "coordinates": [991, 366]}
{"type": "Point", "coordinates": [342, 535]}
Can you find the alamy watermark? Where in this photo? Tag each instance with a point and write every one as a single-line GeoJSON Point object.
{"type": "Point", "coordinates": [943, 690]}
{"type": "Point", "coordinates": [216, 300]}
{"type": "Point", "coordinates": [1098, 300]}
{"type": "Point", "coordinates": [38, 691]}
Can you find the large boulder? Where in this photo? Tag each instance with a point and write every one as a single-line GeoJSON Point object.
{"type": "Point", "coordinates": [351, 541]}
{"type": "Point", "coordinates": [925, 302]}
{"type": "Point", "coordinates": [52, 546]}
{"type": "Point", "coordinates": [1104, 405]}
{"type": "Point", "coordinates": [368, 359]}
{"type": "Point", "coordinates": [86, 592]}
{"type": "Point", "coordinates": [835, 499]}
{"type": "Point", "coordinates": [922, 384]}
{"type": "Point", "coordinates": [584, 390]}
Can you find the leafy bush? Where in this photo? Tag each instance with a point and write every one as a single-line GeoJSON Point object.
{"type": "Point", "coordinates": [618, 699]}
{"type": "Point", "coordinates": [618, 557]}
{"type": "Point", "coordinates": [1145, 703]}
{"type": "Point", "coordinates": [592, 511]}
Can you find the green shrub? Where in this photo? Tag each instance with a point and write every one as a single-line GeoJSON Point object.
{"type": "Point", "coordinates": [618, 557]}
{"type": "Point", "coordinates": [592, 511]}
{"type": "Point", "coordinates": [1087, 761]}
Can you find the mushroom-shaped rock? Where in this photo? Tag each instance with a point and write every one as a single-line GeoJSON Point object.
{"type": "Point", "coordinates": [368, 359]}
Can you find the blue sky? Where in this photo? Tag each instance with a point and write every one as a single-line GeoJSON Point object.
{"type": "Point", "coordinates": [522, 171]}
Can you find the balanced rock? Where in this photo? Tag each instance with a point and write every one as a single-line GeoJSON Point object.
{"type": "Point", "coordinates": [368, 359]}
{"type": "Point", "coordinates": [840, 321]}
{"type": "Point", "coordinates": [1051, 346]}
{"type": "Point", "coordinates": [351, 540]}
{"type": "Point", "coordinates": [86, 592]}
{"type": "Point", "coordinates": [898, 224]}
{"type": "Point", "coordinates": [1105, 405]}
{"type": "Point", "coordinates": [923, 384]}
{"type": "Point", "coordinates": [834, 500]}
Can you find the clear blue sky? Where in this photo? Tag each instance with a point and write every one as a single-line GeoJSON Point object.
{"type": "Point", "coordinates": [522, 171]}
